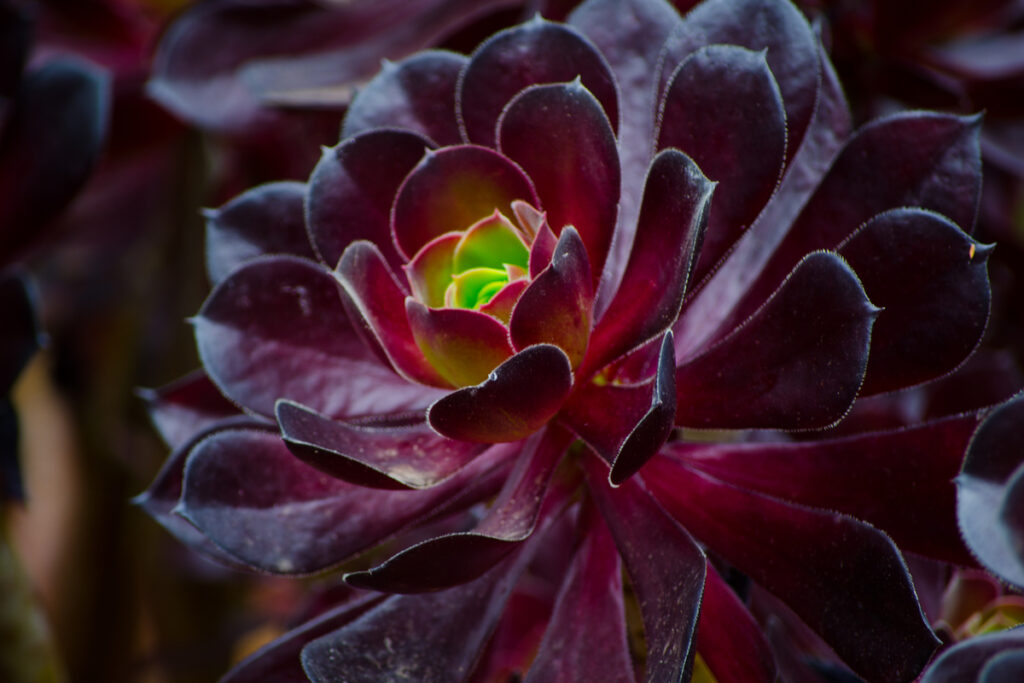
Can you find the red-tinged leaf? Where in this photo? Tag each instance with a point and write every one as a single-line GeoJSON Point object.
{"type": "Point", "coordinates": [630, 35]}
{"type": "Point", "coordinates": [529, 54]}
{"type": "Point", "coordinates": [712, 306]}
{"type": "Point", "coordinates": [268, 219]}
{"type": "Point", "coordinates": [843, 577]}
{"type": "Point", "coordinates": [417, 94]}
{"type": "Point", "coordinates": [452, 189]}
{"type": "Point", "coordinates": [563, 140]}
{"type": "Point", "coordinates": [555, 308]}
{"type": "Point", "coordinates": [989, 492]}
{"type": "Point", "coordinates": [463, 345]}
{"type": "Point", "coordinates": [914, 502]}
{"type": "Point", "coordinates": [160, 500]}
{"type": "Point", "coordinates": [376, 297]}
{"type": "Point", "coordinates": [186, 406]}
{"type": "Point", "coordinates": [278, 661]}
{"type": "Point", "coordinates": [795, 364]}
{"type": "Point", "coordinates": [654, 428]}
{"type": "Point", "coordinates": [664, 565]}
{"type": "Point", "coordinates": [51, 140]}
{"type": "Point", "coordinates": [931, 281]}
{"type": "Point", "coordinates": [724, 109]}
{"type": "Point", "coordinates": [430, 272]}
{"type": "Point", "coordinates": [970, 659]}
{"type": "Point", "coordinates": [392, 454]}
{"type": "Point", "coordinates": [668, 239]}
{"type": "Point", "coordinates": [728, 639]}
{"type": "Point", "coordinates": [542, 249]}
{"type": "Point", "coordinates": [517, 636]}
{"type": "Point", "coordinates": [603, 415]}
{"type": "Point", "coordinates": [773, 25]}
{"type": "Point", "coordinates": [430, 637]}
{"type": "Point", "coordinates": [457, 558]}
{"type": "Point", "coordinates": [352, 188]}
{"type": "Point", "coordinates": [519, 397]}
{"type": "Point", "coordinates": [247, 493]}
{"type": "Point", "coordinates": [276, 328]}
{"type": "Point", "coordinates": [504, 301]}
{"type": "Point", "coordinates": [589, 610]}
{"type": "Point", "coordinates": [918, 159]}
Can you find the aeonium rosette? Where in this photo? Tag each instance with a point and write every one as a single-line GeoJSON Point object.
{"type": "Point", "coordinates": [503, 291]}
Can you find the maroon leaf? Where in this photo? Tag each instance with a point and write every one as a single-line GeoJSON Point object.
{"type": "Point", "coordinates": [452, 189]}
{"type": "Point", "coordinates": [376, 297]}
{"type": "Point", "coordinates": [555, 308]}
{"type": "Point", "coordinates": [391, 454]}
{"type": "Point", "coordinates": [775, 25]}
{"type": "Point", "coordinates": [724, 109]}
{"type": "Point", "coordinates": [668, 238]}
{"type": "Point", "coordinates": [728, 639]}
{"type": "Point", "coordinates": [972, 659]}
{"type": "Point", "coordinates": [603, 415]}
{"type": "Point", "coordinates": [50, 142]}
{"type": "Point", "coordinates": [276, 328]}
{"type": "Point", "coordinates": [457, 558]}
{"type": "Point", "coordinates": [931, 281]}
{"type": "Point", "coordinates": [246, 492]}
{"type": "Point", "coordinates": [529, 54]}
{"type": "Point", "coordinates": [589, 610]}
{"type": "Point", "coordinates": [562, 138]}
{"type": "Point", "coordinates": [707, 313]}
{"type": "Point", "coordinates": [665, 567]}
{"type": "Point", "coordinates": [279, 661]}
{"type": "Point", "coordinates": [352, 188]}
{"type": "Point", "coordinates": [186, 406]}
{"type": "Point", "coordinates": [267, 219]}
{"type": "Point", "coordinates": [843, 577]}
{"type": "Point", "coordinates": [463, 345]}
{"type": "Point", "coordinates": [989, 492]}
{"type": "Point", "coordinates": [654, 428]}
{"type": "Point", "coordinates": [795, 364]}
{"type": "Point", "coordinates": [914, 501]}
{"type": "Point", "coordinates": [519, 397]}
{"type": "Point", "coordinates": [430, 637]}
{"type": "Point", "coordinates": [417, 94]}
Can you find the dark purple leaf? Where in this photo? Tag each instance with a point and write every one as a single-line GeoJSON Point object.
{"type": "Point", "coordinates": [416, 94]}
{"type": "Point", "coordinates": [186, 406]}
{"type": "Point", "coordinates": [519, 397]}
{"type": "Point", "coordinates": [276, 328]}
{"type": "Point", "coordinates": [457, 558]}
{"type": "Point", "coordinates": [705, 315]}
{"type": "Point", "coordinates": [775, 25]}
{"type": "Point", "coordinates": [352, 188]}
{"type": "Point", "coordinates": [654, 428]}
{"type": "Point", "coordinates": [668, 238]}
{"type": "Point", "coordinates": [529, 54]}
{"type": "Point", "coordinates": [49, 144]}
{"type": "Point", "coordinates": [562, 138]}
{"type": "Point", "coordinates": [965, 661]}
{"type": "Point", "coordinates": [603, 415]}
{"type": "Point", "coordinates": [377, 298]}
{"type": "Point", "coordinates": [452, 189]}
{"type": "Point", "coordinates": [247, 493]}
{"type": "Point", "coordinates": [463, 345]}
{"type": "Point", "coordinates": [665, 567]}
{"type": "Point", "coordinates": [728, 639]}
{"type": "Point", "coordinates": [555, 308]}
{"type": "Point", "coordinates": [843, 577]}
{"type": "Point", "coordinates": [589, 611]}
{"type": "Point", "coordinates": [795, 364]}
{"type": "Point", "coordinates": [402, 454]}
{"type": "Point", "coordinates": [989, 492]}
{"type": "Point", "coordinates": [931, 281]}
{"type": "Point", "coordinates": [20, 335]}
{"type": "Point", "coordinates": [900, 481]}
{"type": "Point", "coordinates": [724, 109]}
{"type": "Point", "coordinates": [432, 637]}
{"type": "Point", "coordinates": [278, 661]}
{"type": "Point", "coordinates": [1005, 667]}
{"type": "Point", "coordinates": [267, 219]}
